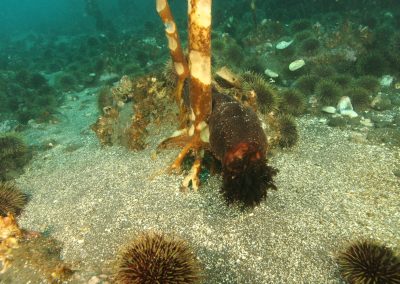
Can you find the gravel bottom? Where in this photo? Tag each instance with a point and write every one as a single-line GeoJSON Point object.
{"type": "Point", "coordinates": [330, 191]}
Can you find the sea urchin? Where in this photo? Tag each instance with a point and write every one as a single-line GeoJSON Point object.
{"type": "Point", "coordinates": [157, 258]}
{"type": "Point", "coordinates": [287, 129]}
{"type": "Point", "coordinates": [328, 92]}
{"type": "Point", "coordinates": [267, 98]}
{"type": "Point", "coordinates": [12, 200]}
{"type": "Point", "coordinates": [292, 102]}
{"type": "Point", "coordinates": [369, 262]}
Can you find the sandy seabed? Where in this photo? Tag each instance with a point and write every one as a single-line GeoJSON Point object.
{"type": "Point", "coordinates": [95, 199]}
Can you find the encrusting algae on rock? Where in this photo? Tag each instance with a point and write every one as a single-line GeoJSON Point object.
{"type": "Point", "coordinates": [10, 234]}
{"type": "Point", "coordinates": [135, 103]}
{"type": "Point", "coordinates": [30, 250]}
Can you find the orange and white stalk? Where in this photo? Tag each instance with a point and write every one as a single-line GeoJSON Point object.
{"type": "Point", "coordinates": [196, 136]}
{"type": "Point", "coordinates": [175, 48]}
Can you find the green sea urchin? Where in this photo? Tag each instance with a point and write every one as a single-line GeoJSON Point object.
{"type": "Point", "coordinates": [292, 101]}
{"type": "Point", "coordinates": [359, 97]}
{"type": "Point", "coordinates": [368, 82]}
{"type": "Point", "coordinates": [323, 71]}
{"type": "Point", "coordinates": [365, 262]}
{"type": "Point", "coordinates": [328, 92]}
{"type": "Point", "coordinates": [303, 35]}
{"type": "Point", "coordinates": [14, 154]}
{"type": "Point", "coordinates": [343, 80]}
{"type": "Point", "coordinates": [12, 200]}
{"type": "Point", "coordinates": [300, 25]}
{"type": "Point", "coordinates": [157, 258]}
{"type": "Point", "coordinates": [287, 131]}
{"type": "Point", "coordinates": [394, 49]}
{"type": "Point", "coordinates": [36, 81]}
{"type": "Point", "coordinates": [267, 98]}
{"type": "Point", "coordinates": [218, 45]}
{"type": "Point", "coordinates": [11, 145]}
{"type": "Point", "coordinates": [373, 63]}
{"type": "Point", "coordinates": [306, 84]}
{"type": "Point", "coordinates": [395, 42]}
{"type": "Point", "coordinates": [233, 53]}
{"type": "Point", "coordinates": [310, 45]}
{"type": "Point", "coordinates": [66, 82]}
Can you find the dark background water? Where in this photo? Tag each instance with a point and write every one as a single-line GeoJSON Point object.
{"type": "Point", "coordinates": [73, 16]}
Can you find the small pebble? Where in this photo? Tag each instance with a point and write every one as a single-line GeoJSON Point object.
{"type": "Point", "coordinates": [94, 280]}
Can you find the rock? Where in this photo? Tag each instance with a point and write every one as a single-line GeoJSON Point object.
{"type": "Point", "coordinates": [396, 120]}
{"type": "Point", "coordinates": [389, 136]}
{"type": "Point", "coordinates": [366, 122]}
{"type": "Point", "coordinates": [8, 125]}
{"type": "Point", "coordinates": [344, 104]}
{"type": "Point", "coordinates": [228, 76]}
{"type": "Point", "coordinates": [337, 121]}
{"type": "Point", "coordinates": [382, 123]}
{"type": "Point", "coordinates": [381, 102]}
{"type": "Point", "coordinates": [329, 109]}
{"type": "Point", "coordinates": [380, 120]}
{"type": "Point", "coordinates": [345, 107]}
{"type": "Point", "coordinates": [386, 80]}
{"type": "Point", "coordinates": [94, 280]}
{"type": "Point", "coordinates": [358, 138]}
{"type": "Point", "coordinates": [271, 73]}
{"type": "Point", "coordinates": [349, 113]}
{"type": "Point", "coordinates": [395, 99]}
{"type": "Point", "coordinates": [297, 64]}
{"type": "Point", "coordinates": [283, 44]}
{"type": "Point", "coordinates": [109, 77]}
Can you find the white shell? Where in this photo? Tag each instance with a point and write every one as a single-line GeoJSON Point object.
{"type": "Point", "coordinates": [264, 22]}
{"type": "Point", "coordinates": [271, 73]}
{"type": "Point", "coordinates": [386, 80]}
{"type": "Point", "coordinates": [329, 109]}
{"type": "Point", "coordinates": [297, 64]}
{"type": "Point", "coordinates": [283, 44]}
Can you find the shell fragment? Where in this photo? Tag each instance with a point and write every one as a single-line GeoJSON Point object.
{"type": "Point", "coordinates": [283, 44]}
{"type": "Point", "coordinates": [297, 64]}
{"type": "Point", "coordinates": [271, 73]}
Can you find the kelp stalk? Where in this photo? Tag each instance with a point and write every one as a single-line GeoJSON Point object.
{"type": "Point", "coordinates": [195, 136]}
{"type": "Point", "coordinates": [174, 44]}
